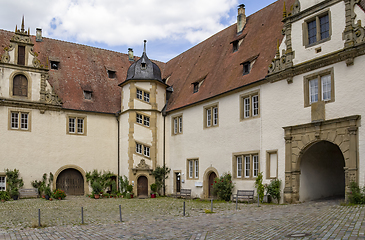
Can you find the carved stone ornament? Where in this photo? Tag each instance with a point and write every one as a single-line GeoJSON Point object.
{"type": "Point", "coordinates": [296, 7]}
{"type": "Point", "coordinates": [5, 58]}
{"type": "Point", "coordinates": [52, 98]}
{"type": "Point", "coordinates": [143, 165]}
{"type": "Point", "coordinates": [354, 33]}
{"type": "Point", "coordinates": [21, 39]}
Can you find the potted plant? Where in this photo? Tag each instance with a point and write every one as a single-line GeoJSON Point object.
{"type": "Point", "coordinates": [153, 190]}
{"type": "Point", "coordinates": [58, 193]}
{"type": "Point", "coordinates": [4, 196]}
{"type": "Point", "coordinates": [14, 193]}
{"type": "Point", "coordinates": [96, 186]}
{"type": "Point", "coordinates": [48, 193]}
{"type": "Point", "coordinates": [130, 190]}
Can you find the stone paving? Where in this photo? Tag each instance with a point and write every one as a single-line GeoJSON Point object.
{"type": "Point", "coordinates": [163, 218]}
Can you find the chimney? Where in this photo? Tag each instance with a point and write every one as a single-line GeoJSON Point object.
{"type": "Point", "coordinates": [130, 54]}
{"type": "Point", "coordinates": [241, 18]}
{"type": "Point", "coordinates": [38, 35]}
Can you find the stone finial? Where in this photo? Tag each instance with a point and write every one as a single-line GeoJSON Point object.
{"type": "Point", "coordinates": [284, 11]}
{"type": "Point", "coordinates": [22, 24]}
{"type": "Point", "coordinates": [144, 47]}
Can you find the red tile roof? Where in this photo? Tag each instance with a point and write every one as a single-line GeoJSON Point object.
{"type": "Point", "coordinates": [215, 59]}
{"type": "Point", "coordinates": [85, 68]}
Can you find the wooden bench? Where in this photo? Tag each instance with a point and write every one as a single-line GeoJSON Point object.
{"type": "Point", "coordinates": [28, 193]}
{"type": "Point", "coordinates": [243, 195]}
{"type": "Point", "coordinates": [184, 193]}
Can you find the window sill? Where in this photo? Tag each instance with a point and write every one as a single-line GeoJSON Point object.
{"type": "Point", "coordinates": [318, 42]}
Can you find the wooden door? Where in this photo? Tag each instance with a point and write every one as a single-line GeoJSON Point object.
{"type": "Point", "coordinates": [142, 186]}
{"type": "Point", "coordinates": [212, 176]}
{"type": "Point", "coordinates": [20, 86]}
{"type": "Point", "coordinates": [71, 181]}
{"type": "Point", "coordinates": [178, 183]}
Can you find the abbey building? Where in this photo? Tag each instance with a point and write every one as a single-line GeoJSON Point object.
{"type": "Point", "coordinates": [279, 92]}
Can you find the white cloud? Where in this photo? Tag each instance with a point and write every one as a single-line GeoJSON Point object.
{"type": "Point", "coordinates": [119, 22]}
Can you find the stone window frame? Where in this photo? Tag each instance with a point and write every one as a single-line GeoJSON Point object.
{"type": "Point", "coordinates": [144, 148]}
{"type": "Point", "coordinates": [3, 177]}
{"type": "Point", "coordinates": [307, 78]}
{"type": "Point", "coordinates": [19, 128]}
{"type": "Point", "coordinates": [88, 95]}
{"type": "Point", "coordinates": [54, 65]}
{"type": "Point", "coordinates": [249, 95]}
{"type": "Point", "coordinates": [179, 124]}
{"type": "Point", "coordinates": [251, 154]}
{"type": "Point", "coordinates": [195, 169]}
{"type": "Point", "coordinates": [145, 120]}
{"type": "Point", "coordinates": [143, 98]}
{"type": "Point", "coordinates": [76, 117]}
{"type": "Point", "coordinates": [11, 79]}
{"type": "Point", "coordinates": [210, 107]}
{"type": "Point", "coordinates": [318, 28]}
{"type": "Point", "coordinates": [268, 165]}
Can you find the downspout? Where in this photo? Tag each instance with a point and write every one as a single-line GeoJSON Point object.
{"type": "Point", "coordinates": [164, 154]}
{"type": "Point", "coordinates": [117, 114]}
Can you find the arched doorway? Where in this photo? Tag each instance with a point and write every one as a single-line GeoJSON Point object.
{"type": "Point", "coordinates": [71, 181]}
{"type": "Point", "coordinates": [212, 176]}
{"type": "Point", "coordinates": [142, 186]}
{"type": "Point", "coordinates": [322, 172]}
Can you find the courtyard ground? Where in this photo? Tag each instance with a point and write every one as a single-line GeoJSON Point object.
{"type": "Point", "coordinates": [162, 218]}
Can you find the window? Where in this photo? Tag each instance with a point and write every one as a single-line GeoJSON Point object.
{"type": "Point", "coordinates": [55, 65]}
{"type": "Point", "coordinates": [76, 125]}
{"type": "Point", "coordinates": [319, 87]}
{"type": "Point", "coordinates": [88, 95]}
{"type": "Point", "coordinates": [143, 95]}
{"type": "Point", "coordinates": [211, 116]}
{"type": "Point", "coordinates": [246, 165]}
{"type": "Point", "coordinates": [235, 46]}
{"type": "Point", "coordinates": [196, 87]}
{"type": "Point", "coordinates": [317, 29]}
{"type": "Point", "coordinates": [112, 74]}
{"type": "Point", "coordinates": [143, 149]}
{"type": "Point", "coordinates": [143, 120]}
{"type": "Point", "coordinates": [21, 55]}
{"type": "Point", "coordinates": [2, 183]}
{"type": "Point", "coordinates": [177, 125]}
{"type": "Point", "coordinates": [197, 84]}
{"type": "Point", "coordinates": [20, 86]}
{"type": "Point", "coordinates": [19, 120]}
{"type": "Point", "coordinates": [250, 106]}
{"type": "Point", "coordinates": [271, 164]}
{"type": "Point", "coordinates": [193, 168]}
{"type": "Point", "coordinates": [246, 68]}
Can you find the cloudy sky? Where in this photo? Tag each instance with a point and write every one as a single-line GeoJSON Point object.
{"type": "Point", "coordinates": [170, 26]}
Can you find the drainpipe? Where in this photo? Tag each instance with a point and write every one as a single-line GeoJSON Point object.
{"type": "Point", "coordinates": [117, 114]}
{"type": "Point", "coordinates": [164, 155]}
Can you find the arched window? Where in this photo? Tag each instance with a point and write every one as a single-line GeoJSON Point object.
{"type": "Point", "coordinates": [20, 86]}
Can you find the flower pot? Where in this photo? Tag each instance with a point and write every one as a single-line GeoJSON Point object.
{"type": "Point", "coordinates": [131, 195]}
{"type": "Point", "coordinates": [2, 200]}
{"type": "Point", "coordinates": [50, 199]}
{"type": "Point", "coordinates": [153, 195]}
{"type": "Point", "coordinates": [96, 196]}
{"type": "Point", "coordinates": [47, 197]}
{"type": "Point", "coordinates": [15, 197]}
{"type": "Point", "coordinates": [59, 198]}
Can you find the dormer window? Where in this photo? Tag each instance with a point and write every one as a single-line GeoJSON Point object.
{"type": "Point", "coordinates": [235, 46]}
{"type": "Point", "coordinates": [111, 74]}
{"type": "Point", "coordinates": [143, 65]}
{"type": "Point", "coordinates": [196, 87]}
{"type": "Point", "coordinates": [88, 95]}
{"type": "Point", "coordinates": [55, 65]}
{"type": "Point", "coordinates": [246, 68]}
{"type": "Point", "coordinates": [21, 55]}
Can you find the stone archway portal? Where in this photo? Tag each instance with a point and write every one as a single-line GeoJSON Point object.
{"type": "Point", "coordinates": [341, 132]}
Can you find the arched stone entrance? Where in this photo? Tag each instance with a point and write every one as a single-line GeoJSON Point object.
{"type": "Point", "coordinates": [142, 186]}
{"type": "Point", "coordinates": [322, 172]}
{"type": "Point", "coordinates": [60, 174]}
{"type": "Point", "coordinates": [71, 181]}
{"type": "Point", "coordinates": [341, 132]}
{"type": "Point", "coordinates": [208, 175]}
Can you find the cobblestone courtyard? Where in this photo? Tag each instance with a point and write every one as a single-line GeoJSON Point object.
{"type": "Point", "coordinates": [163, 218]}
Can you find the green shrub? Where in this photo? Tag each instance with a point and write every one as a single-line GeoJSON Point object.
{"type": "Point", "coordinates": [260, 187]}
{"type": "Point", "coordinates": [130, 188]}
{"type": "Point", "coordinates": [154, 187]}
{"type": "Point", "coordinates": [13, 181]}
{"type": "Point", "coordinates": [273, 189]}
{"type": "Point", "coordinates": [356, 196]}
{"type": "Point", "coordinates": [4, 196]}
{"type": "Point", "coordinates": [223, 186]}
{"type": "Point", "coordinates": [160, 174]}
{"type": "Point", "coordinates": [123, 183]}
{"type": "Point", "coordinates": [96, 186]}
{"type": "Point", "coordinates": [48, 192]}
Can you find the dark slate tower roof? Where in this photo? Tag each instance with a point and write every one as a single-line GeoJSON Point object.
{"type": "Point", "coordinates": [144, 69]}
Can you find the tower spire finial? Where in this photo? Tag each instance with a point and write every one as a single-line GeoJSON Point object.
{"type": "Point", "coordinates": [22, 24]}
{"type": "Point", "coordinates": [144, 48]}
